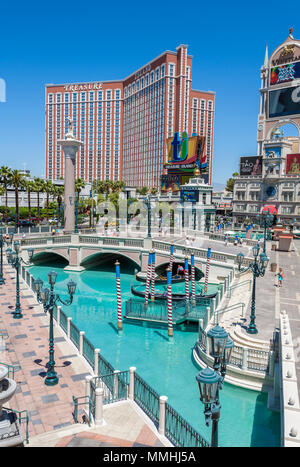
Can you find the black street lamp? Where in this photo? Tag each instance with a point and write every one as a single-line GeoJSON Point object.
{"type": "Point", "coordinates": [2, 281]}
{"type": "Point", "coordinates": [258, 268]}
{"type": "Point", "coordinates": [265, 220]}
{"type": "Point", "coordinates": [49, 301]}
{"type": "Point", "coordinates": [14, 259]}
{"type": "Point", "coordinates": [210, 381]}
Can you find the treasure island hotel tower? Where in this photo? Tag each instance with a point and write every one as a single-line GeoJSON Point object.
{"type": "Point", "coordinates": [124, 124]}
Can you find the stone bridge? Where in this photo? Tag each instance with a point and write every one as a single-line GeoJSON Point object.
{"type": "Point", "coordinates": [82, 251]}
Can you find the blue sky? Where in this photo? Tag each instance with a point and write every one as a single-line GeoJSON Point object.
{"type": "Point", "coordinates": [57, 42]}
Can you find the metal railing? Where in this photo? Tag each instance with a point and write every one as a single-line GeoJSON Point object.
{"type": "Point", "coordinates": [115, 386]}
{"type": "Point", "coordinates": [233, 287]}
{"type": "Point", "coordinates": [84, 401]}
{"type": "Point", "coordinates": [146, 398]}
{"type": "Point", "coordinates": [180, 432]}
{"type": "Point", "coordinates": [12, 369]}
{"type": "Point", "coordinates": [229, 308]}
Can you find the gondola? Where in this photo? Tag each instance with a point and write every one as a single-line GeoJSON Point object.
{"type": "Point", "coordinates": [162, 280]}
{"type": "Point", "coordinates": [161, 276]}
{"type": "Point", "coordinates": [164, 295]}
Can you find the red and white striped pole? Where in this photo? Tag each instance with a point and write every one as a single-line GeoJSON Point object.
{"type": "Point", "coordinates": [207, 270]}
{"type": "Point", "coordinates": [171, 258]}
{"type": "Point", "coordinates": [119, 303]}
{"type": "Point", "coordinates": [193, 278]}
{"type": "Point", "coordinates": [148, 277]}
{"type": "Point", "coordinates": [153, 277]}
{"type": "Point", "coordinates": [186, 276]}
{"type": "Point", "coordinates": [170, 311]}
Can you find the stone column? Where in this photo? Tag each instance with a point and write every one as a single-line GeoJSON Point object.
{"type": "Point", "coordinates": [70, 147]}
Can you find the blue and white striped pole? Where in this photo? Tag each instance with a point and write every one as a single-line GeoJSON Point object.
{"type": "Point", "coordinates": [171, 258]}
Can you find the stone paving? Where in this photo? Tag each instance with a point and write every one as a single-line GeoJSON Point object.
{"type": "Point", "coordinates": [51, 408]}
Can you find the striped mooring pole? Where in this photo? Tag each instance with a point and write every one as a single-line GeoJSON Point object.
{"type": "Point", "coordinates": [207, 270]}
{"type": "Point", "coordinates": [119, 303]}
{"type": "Point", "coordinates": [171, 258]}
{"type": "Point", "coordinates": [193, 278]}
{"type": "Point", "coordinates": [170, 312]}
{"type": "Point", "coordinates": [186, 276]}
{"type": "Point", "coordinates": [153, 277]}
{"type": "Point", "coordinates": [148, 277]}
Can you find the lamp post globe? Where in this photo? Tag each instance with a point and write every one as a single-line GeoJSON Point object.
{"type": "Point", "coordinates": [217, 337]}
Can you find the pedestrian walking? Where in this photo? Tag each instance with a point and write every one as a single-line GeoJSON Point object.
{"type": "Point", "coordinates": [280, 275]}
{"type": "Point", "coordinates": [226, 240]}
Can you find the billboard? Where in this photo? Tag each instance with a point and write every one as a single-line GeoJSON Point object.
{"type": "Point", "coordinates": [292, 164]}
{"type": "Point", "coordinates": [170, 181]}
{"type": "Point", "coordinates": [284, 101]}
{"type": "Point", "coordinates": [184, 152]}
{"type": "Point", "coordinates": [251, 165]}
{"type": "Point", "coordinates": [285, 73]}
{"type": "Point", "coordinates": [273, 152]}
{"type": "Point", "coordinates": [189, 195]}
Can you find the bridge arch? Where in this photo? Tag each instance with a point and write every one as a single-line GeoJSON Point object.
{"type": "Point", "coordinates": [107, 259]}
{"type": "Point", "coordinates": [51, 257]}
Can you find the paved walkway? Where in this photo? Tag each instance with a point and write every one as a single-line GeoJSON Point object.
{"type": "Point", "coordinates": [50, 408]}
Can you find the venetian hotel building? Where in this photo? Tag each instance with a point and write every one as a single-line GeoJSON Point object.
{"type": "Point", "coordinates": [124, 124]}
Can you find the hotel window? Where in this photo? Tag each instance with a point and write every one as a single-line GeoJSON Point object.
{"type": "Point", "coordinates": [138, 85]}
{"type": "Point", "coordinates": [152, 77]}
{"type": "Point", "coordinates": [163, 71]}
{"type": "Point", "coordinates": [147, 80]}
{"type": "Point", "coordinates": [142, 83]}
{"type": "Point", "coordinates": [157, 74]}
{"type": "Point", "coordinates": [288, 196]}
{"type": "Point", "coordinates": [195, 111]}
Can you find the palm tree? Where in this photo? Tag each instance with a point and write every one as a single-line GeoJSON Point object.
{"type": "Point", "coordinates": [39, 184]}
{"type": "Point", "coordinates": [48, 188]}
{"type": "Point", "coordinates": [79, 185]}
{"type": "Point", "coordinates": [30, 186]}
{"type": "Point", "coordinates": [5, 180]}
{"type": "Point", "coordinates": [58, 193]}
{"type": "Point", "coordinates": [17, 181]}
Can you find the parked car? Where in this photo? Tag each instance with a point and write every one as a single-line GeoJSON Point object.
{"type": "Point", "coordinates": [24, 223]}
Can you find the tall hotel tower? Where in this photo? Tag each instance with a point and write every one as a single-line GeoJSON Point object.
{"type": "Point", "coordinates": [125, 124]}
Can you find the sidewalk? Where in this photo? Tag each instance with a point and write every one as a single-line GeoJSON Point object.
{"type": "Point", "coordinates": [50, 408]}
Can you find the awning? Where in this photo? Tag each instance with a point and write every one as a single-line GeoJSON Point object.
{"type": "Point", "coordinates": [271, 208]}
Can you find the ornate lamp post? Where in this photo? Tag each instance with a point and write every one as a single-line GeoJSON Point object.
{"type": "Point", "coordinates": [265, 220]}
{"type": "Point", "coordinates": [258, 268]}
{"type": "Point", "coordinates": [2, 281]}
{"type": "Point", "coordinates": [49, 300]}
{"type": "Point", "coordinates": [148, 204]}
{"type": "Point", "coordinates": [210, 381]}
{"type": "Point", "coordinates": [14, 259]}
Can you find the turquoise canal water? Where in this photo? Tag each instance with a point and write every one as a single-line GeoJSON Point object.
{"type": "Point", "coordinates": [167, 366]}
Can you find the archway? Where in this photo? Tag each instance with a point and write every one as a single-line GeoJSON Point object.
{"type": "Point", "coordinates": [106, 261]}
{"type": "Point", "coordinates": [48, 258]}
{"type": "Point", "coordinates": [287, 129]}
